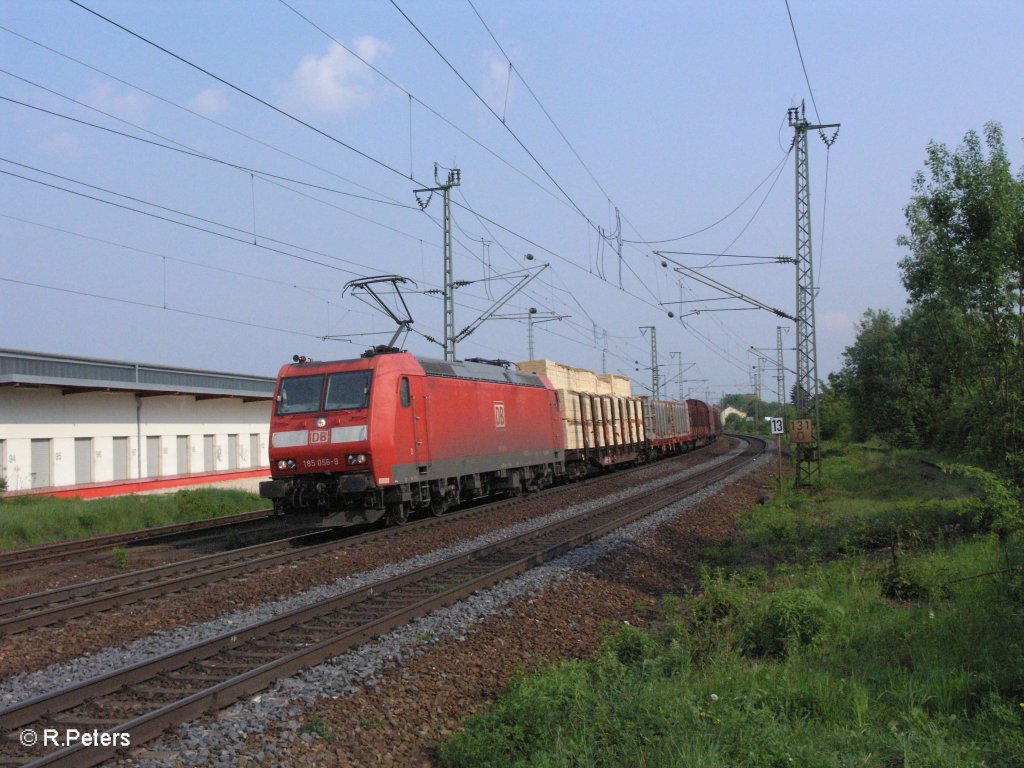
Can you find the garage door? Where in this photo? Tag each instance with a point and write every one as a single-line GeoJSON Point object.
{"type": "Point", "coordinates": [183, 454]}
{"type": "Point", "coordinates": [40, 463]}
{"type": "Point", "coordinates": [83, 460]}
{"type": "Point", "coordinates": [120, 458]}
{"type": "Point", "coordinates": [152, 457]}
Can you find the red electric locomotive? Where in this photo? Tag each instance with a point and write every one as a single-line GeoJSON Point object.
{"type": "Point", "coordinates": [387, 434]}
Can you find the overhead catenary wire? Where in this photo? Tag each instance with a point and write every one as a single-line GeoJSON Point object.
{"type": "Point", "coordinates": [188, 110]}
{"type": "Point", "coordinates": [774, 172]}
{"type": "Point", "coordinates": [148, 305]}
{"type": "Point", "coordinates": [513, 68]}
{"type": "Point", "coordinates": [185, 149]}
{"type": "Point", "coordinates": [561, 133]}
{"type": "Point", "coordinates": [177, 259]}
{"type": "Point", "coordinates": [490, 109]}
{"type": "Point", "coordinates": [169, 220]}
{"type": "Point", "coordinates": [205, 157]}
{"type": "Point", "coordinates": [568, 261]}
{"type": "Point", "coordinates": [346, 145]}
{"type": "Point", "coordinates": [413, 98]}
{"type": "Point", "coordinates": [757, 210]}
{"type": "Point", "coordinates": [803, 66]}
{"type": "Point", "coordinates": [324, 133]}
{"type": "Point", "coordinates": [243, 91]}
{"type": "Point", "coordinates": [828, 145]}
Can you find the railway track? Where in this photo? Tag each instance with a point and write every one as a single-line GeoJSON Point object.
{"type": "Point", "coordinates": [147, 698]}
{"type": "Point", "coordinates": [39, 609]}
{"type": "Point", "coordinates": [65, 550]}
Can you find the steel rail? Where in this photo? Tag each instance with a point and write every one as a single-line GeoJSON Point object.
{"type": "Point", "coordinates": [61, 549]}
{"type": "Point", "coordinates": [216, 672]}
{"type": "Point", "coordinates": [39, 609]}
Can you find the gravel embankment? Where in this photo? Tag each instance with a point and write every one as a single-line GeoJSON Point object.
{"type": "Point", "coordinates": [390, 701]}
{"type": "Point", "coordinates": [387, 564]}
{"type": "Point", "coordinates": [38, 649]}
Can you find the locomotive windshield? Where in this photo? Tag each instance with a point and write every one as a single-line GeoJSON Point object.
{"type": "Point", "coordinates": [300, 394]}
{"type": "Point", "coordinates": [347, 390]}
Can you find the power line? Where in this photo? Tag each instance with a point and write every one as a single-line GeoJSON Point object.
{"type": "Point", "coordinates": [800, 53]}
{"type": "Point", "coordinates": [350, 147]}
{"type": "Point", "coordinates": [183, 148]}
{"type": "Point", "coordinates": [178, 259]}
{"type": "Point", "coordinates": [182, 223]}
{"type": "Point", "coordinates": [328, 136]}
{"type": "Point", "coordinates": [491, 110]}
{"type": "Point", "coordinates": [774, 171]}
{"type": "Point", "coordinates": [385, 165]}
{"type": "Point", "coordinates": [828, 144]}
{"type": "Point", "coordinates": [241, 90]}
{"type": "Point", "coordinates": [757, 210]}
{"type": "Point", "coordinates": [432, 110]}
{"type": "Point", "coordinates": [183, 108]}
{"type": "Point", "coordinates": [513, 68]}
{"type": "Point", "coordinates": [147, 305]}
{"type": "Point", "coordinates": [561, 133]}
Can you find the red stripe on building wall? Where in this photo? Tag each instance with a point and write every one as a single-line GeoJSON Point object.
{"type": "Point", "coordinates": [120, 488]}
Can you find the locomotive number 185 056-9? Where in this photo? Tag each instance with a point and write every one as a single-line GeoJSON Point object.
{"type": "Point", "coordinates": [314, 463]}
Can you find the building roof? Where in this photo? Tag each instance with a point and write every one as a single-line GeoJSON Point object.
{"type": "Point", "coordinates": [82, 374]}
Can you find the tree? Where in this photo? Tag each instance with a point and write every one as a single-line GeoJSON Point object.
{"type": "Point", "coordinates": [965, 277]}
{"type": "Point", "coordinates": [876, 378]}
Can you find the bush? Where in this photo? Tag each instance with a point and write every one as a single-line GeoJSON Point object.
{"type": "Point", "coordinates": [787, 620]}
{"type": "Point", "coordinates": [630, 647]}
{"type": "Point", "coordinates": [998, 506]}
{"type": "Point", "coordinates": [902, 583]}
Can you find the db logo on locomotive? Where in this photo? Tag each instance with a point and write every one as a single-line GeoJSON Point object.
{"type": "Point", "coordinates": [499, 415]}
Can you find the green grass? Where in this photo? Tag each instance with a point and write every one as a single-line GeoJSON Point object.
{"type": "Point", "coordinates": [27, 521]}
{"type": "Point", "coordinates": [791, 654]}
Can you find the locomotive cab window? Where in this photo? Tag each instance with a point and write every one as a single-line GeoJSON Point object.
{"type": "Point", "coordinates": [300, 394]}
{"type": "Point", "coordinates": [348, 391]}
{"type": "Point", "coordinates": [405, 396]}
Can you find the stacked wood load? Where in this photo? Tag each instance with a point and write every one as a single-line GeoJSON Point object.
{"type": "Point", "coordinates": [600, 415]}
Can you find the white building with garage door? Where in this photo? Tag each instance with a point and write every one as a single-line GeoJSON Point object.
{"type": "Point", "coordinates": [73, 422]}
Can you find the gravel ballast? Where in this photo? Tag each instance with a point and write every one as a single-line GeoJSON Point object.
{"type": "Point", "coordinates": [46, 646]}
{"type": "Point", "coordinates": [29, 685]}
{"type": "Point", "coordinates": [275, 725]}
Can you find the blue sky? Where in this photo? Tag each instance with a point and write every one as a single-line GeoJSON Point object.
{"type": "Point", "coordinates": [676, 111]}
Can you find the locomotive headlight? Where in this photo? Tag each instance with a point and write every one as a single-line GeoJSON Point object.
{"type": "Point", "coordinates": [291, 463]}
{"type": "Point", "coordinates": [282, 464]}
{"type": "Point", "coordinates": [355, 458]}
{"type": "Point", "coordinates": [321, 422]}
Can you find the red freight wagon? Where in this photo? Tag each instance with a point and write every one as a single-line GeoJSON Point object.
{"type": "Point", "coordinates": [391, 433]}
{"type": "Point", "coordinates": [700, 421]}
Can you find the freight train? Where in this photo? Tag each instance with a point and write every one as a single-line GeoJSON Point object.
{"type": "Point", "coordinates": [390, 434]}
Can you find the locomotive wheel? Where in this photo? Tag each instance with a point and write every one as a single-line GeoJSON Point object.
{"type": "Point", "coordinates": [438, 507]}
{"type": "Point", "coordinates": [398, 514]}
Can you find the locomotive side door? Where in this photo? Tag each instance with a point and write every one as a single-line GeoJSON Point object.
{"type": "Point", "coordinates": [412, 397]}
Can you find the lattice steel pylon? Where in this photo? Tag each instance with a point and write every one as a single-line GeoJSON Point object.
{"type": "Point", "coordinates": [655, 377]}
{"type": "Point", "coordinates": [454, 179]}
{"type": "Point", "coordinates": [808, 454]}
{"type": "Point", "coordinates": [780, 370]}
